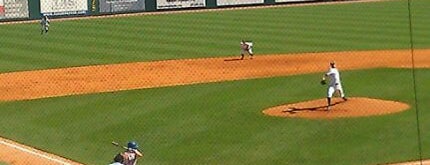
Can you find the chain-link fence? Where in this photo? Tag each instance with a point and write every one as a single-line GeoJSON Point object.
{"type": "Point", "coordinates": [298, 83]}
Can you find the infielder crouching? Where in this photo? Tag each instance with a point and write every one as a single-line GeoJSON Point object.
{"type": "Point", "coordinates": [334, 84]}
{"type": "Point", "coordinates": [246, 47]}
{"type": "Point", "coordinates": [44, 24]}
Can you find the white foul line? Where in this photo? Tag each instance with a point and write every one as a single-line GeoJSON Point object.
{"type": "Point", "coordinates": [32, 152]}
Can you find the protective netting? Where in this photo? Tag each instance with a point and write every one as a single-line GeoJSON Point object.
{"type": "Point", "coordinates": [224, 86]}
{"type": "Point", "coordinates": [63, 7]}
{"type": "Point", "coordinates": [13, 9]}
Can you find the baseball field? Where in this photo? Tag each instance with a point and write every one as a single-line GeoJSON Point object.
{"type": "Point", "coordinates": [173, 83]}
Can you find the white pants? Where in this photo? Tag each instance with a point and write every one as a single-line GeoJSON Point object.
{"type": "Point", "coordinates": [45, 27]}
{"type": "Point", "coordinates": [333, 88]}
{"type": "Point", "coordinates": [249, 51]}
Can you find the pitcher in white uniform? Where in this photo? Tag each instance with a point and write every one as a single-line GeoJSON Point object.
{"type": "Point", "coordinates": [334, 84]}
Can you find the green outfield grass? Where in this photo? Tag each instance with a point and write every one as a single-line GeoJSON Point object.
{"type": "Point", "coordinates": [423, 81]}
{"type": "Point", "coordinates": [363, 26]}
{"type": "Point", "coordinates": [222, 123]}
{"type": "Point", "coordinates": [3, 163]}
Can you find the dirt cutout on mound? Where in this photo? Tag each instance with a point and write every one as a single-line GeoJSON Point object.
{"type": "Point", "coordinates": [354, 107]}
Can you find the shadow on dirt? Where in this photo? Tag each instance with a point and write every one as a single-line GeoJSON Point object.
{"type": "Point", "coordinates": [233, 59]}
{"type": "Point", "coordinates": [314, 108]}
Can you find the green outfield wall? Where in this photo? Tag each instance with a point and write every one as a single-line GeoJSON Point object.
{"type": "Point", "coordinates": [34, 9]}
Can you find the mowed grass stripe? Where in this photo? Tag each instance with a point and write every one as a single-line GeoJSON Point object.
{"type": "Point", "coordinates": [420, 23]}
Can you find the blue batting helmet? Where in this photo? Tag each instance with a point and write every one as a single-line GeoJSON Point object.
{"type": "Point", "coordinates": [132, 145]}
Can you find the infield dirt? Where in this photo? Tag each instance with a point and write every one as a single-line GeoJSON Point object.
{"type": "Point", "coordinates": [116, 77]}
{"type": "Point", "coordinates": [354, 107]}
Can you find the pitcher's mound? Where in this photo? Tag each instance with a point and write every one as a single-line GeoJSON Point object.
{"type": "Point", "coordinates": [354, 107]}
